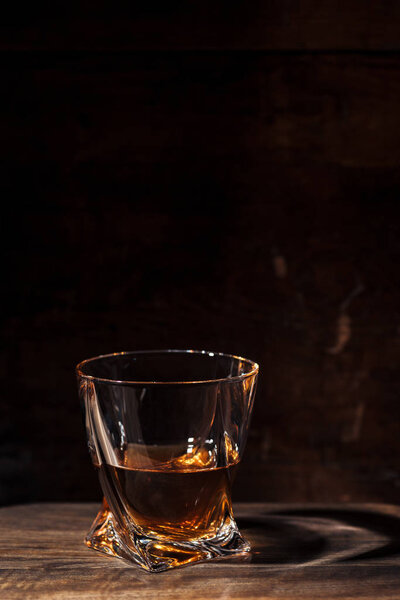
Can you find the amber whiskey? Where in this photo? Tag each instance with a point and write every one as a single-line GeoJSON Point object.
{"type": "Point", "coordinates": [173, 494]}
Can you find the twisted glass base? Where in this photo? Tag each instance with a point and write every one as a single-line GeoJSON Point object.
{"type": "Point", "coordinates": [157, 555]}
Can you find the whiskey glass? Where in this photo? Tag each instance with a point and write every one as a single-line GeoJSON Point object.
{"type": "Point", "coordinates": [166, 430]}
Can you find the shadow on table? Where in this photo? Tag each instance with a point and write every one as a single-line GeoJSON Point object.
{"type": "Point", "coordinates": [311, 536]}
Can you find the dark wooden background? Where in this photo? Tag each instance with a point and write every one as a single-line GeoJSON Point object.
{"type": "Point", "coordinates": [211, 175]}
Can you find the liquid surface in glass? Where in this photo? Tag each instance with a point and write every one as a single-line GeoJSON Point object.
{"type": "Point", "coordinates": [173, 492]}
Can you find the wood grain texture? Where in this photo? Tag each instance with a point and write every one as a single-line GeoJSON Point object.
{"type": "Point", "coordinates": [200, 25]}
{"type": "Point", "coordinates": [299, 551]}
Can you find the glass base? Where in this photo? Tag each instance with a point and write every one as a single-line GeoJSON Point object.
{"type": "Point", "coordinates": [157, 555]}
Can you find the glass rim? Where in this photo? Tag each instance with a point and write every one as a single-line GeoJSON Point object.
{"type": "Point", "coordinates": [254, 368]}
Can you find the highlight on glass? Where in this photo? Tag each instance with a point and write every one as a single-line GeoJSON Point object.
{"type": "Point", "coordinates": [166, 431]}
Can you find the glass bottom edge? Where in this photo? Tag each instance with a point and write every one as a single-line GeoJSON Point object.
{"type": "Point", "coordinates": [157, 555]}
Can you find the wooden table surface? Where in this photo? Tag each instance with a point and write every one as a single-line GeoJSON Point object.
{"type": "Point", "coordinates": [299, 551]}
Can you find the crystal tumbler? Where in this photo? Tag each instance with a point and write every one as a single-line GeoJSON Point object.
{"type": "Point", "coordinates": [166, 431]}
